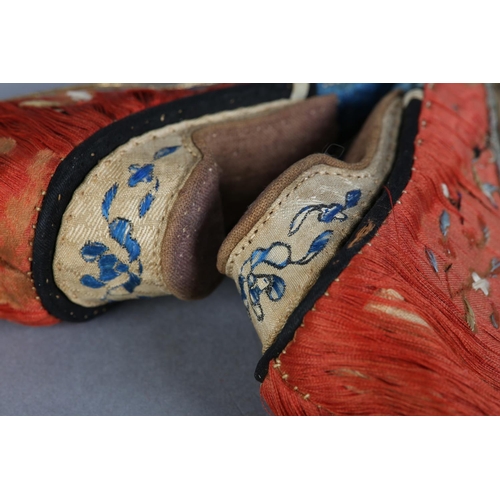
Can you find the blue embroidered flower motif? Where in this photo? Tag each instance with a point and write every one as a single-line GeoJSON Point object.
{"type": "Point", "coordinates": [121, 230]}
{"type": "Point", "coordinates": [140, 174]}
{"type": "Point", "coordinates": [146, 174]}
{"type": "Point", "coordinates": [145, 204]}
{"type": "Point", "coordinates": [110, 268]}
{"type": "Point", "coordinates": [108, 200]}
{"type": "Point", "coordinates": [326, 213]}
{"type": "Point", "coordinates": [165, 151]}
{"type": "Point", "coordinates": [278, 255]}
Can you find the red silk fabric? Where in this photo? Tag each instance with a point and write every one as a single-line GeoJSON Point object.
{"type": "Point", "coordinates": [411, 325]}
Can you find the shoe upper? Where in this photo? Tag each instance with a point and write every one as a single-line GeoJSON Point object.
{"type": "Point", "coordinates": [111, 194]}
{"type": "Point", "coordinates": [278, 249]}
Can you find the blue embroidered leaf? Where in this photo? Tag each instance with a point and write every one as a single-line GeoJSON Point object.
{"type": "Point", "coordinates": [432, 259]}
{"type": "Point", "coordinates": [486, 233]}
{"type": "Point", "coordinates": [157, 185]}
{"type": "Point", "coordinates": [444, 222]}
{"type": "Point", "coordinates": [352, 198]}
{"type": "Point", "coordinates": [90, 281]}
{"type": "Point", "coordinates": [318, 244]}
{"type": "Point", "coordinates": [108, 199]}
{"type": "Point", "coordinates": [276, 288]}
{"type": "Point", "coordinates": [493, 320]}
{"type": "Point", "coordinates": [332, 212]}
{"type": "Point", "coordinates": [488, 189]}
{"type": "Point", "coordinates": [140, 174]}
{"type": "Point", "coordinates": [165, 151]}
{"type": "Point", "coordinates": [120, 230]}
{"type": "Point", "coordinates": [91, 250]}
{"type": "Point", "coordinates": [132, 283]}
{"type": "Point", "coordinates": [121, 267]}
{"type": "Point", "coordinates": [145, 204]}
{"type": "Point", "coordinates": [258, 256]}
{"type": "Point", "coordinates": [140, 268]}
{"type": "Point", "coordinates": [107, 268]}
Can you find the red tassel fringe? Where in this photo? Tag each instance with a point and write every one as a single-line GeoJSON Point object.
{"type": "Point", "coordinates": [408, 328]}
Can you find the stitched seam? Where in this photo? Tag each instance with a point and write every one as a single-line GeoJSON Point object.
{"type": "Point", "coordinates": [186, 142]}
{"type": "Point", "coordinates": [93, 183]}
{"type": "Point", "coordinates": [279, 203]}
{"type": "Point", "coordinates": [305, 396]}
{"type": "Point", "coordinates": [392, 142]}
{"type": "Point", "coordinates": [278, 361]}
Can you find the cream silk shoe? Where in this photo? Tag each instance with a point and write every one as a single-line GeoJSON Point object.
{"type": "Point", "coordinates": [116, 193]}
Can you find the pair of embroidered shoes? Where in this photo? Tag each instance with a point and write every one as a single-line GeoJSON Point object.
{"type": "Point", "coordinates": [369, 274]}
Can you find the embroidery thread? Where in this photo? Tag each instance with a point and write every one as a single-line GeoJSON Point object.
{"type": "Point", "coordinates": [327, 213]}
{"type": "Point", "coordinates": [121, 231]}
{"type": "Point", "coordinates": [278, 255]}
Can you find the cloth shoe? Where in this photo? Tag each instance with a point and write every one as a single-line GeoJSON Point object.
{"type": "Point", "coordinates": [115, 193]}
{"type": "Point", "coordinates": [372, 279]}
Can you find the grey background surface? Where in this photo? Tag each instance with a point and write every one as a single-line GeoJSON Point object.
{"type": "Point", "coordinates": [159, 356]}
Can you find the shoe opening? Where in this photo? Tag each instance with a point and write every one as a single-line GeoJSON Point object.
{"type": "Point", "coordinates": [251, 157]}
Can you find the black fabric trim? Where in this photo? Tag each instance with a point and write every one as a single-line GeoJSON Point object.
{"type": "Point", "coordinates": [396, 183]}
{"type": "Point", "coordinates": [73, 169]}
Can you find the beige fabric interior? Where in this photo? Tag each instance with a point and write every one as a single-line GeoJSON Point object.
{"type": "Point", "coordinates": [239, 158]}
{"type": "Point", "coordinates": [253, 152]}
{"type": "Point", "coordinates": [357, 157]}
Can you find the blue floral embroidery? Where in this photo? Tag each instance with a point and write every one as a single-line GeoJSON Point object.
{"type": "Point", "coordinates": [146, 174]}
{"type": "Point", "coordinates": [165, 151]}
{"type": "Point", "coordinates": [110, 268]}
{"type": "Point", "coordinates": [121, 231]}
{"type": "Point", "coordinates": [278, 255]}
{"type": "Point", "coordinates": [145, 204]}
{"type": "Point", "coordinates": [108, 199]}
{"type": "Point", "coordinates": [326, 213]}
{"type": "Point", "coordinates": [140, 174]}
